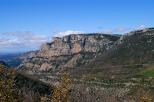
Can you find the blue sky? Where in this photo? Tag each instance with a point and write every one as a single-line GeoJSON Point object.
{"type": "Point", "coordinates": [36, 21]}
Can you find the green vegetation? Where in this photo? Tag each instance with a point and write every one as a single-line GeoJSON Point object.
{"type": "Point", "coordinates": [148, 73]}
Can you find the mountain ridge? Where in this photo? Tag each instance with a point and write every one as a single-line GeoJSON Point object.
{"type": "Point", "coordinates": [69, 51]}
{"type": "Point", "coordinates": [91, 50]}
{"type": "Point", "coordinates": [126, 66]}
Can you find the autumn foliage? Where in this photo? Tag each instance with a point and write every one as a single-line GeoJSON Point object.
{"type": "Point", "coordinates": [62, 90]}
{"type": "Point", "coordinates": [7, 85]}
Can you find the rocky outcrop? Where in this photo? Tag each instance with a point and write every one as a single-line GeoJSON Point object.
{"type": "Point", "coordinates": [73, 44]}
{"type": "Point", "coordinates": [81, 49]}
{"type": "Point", "coordinates": [68, 51]}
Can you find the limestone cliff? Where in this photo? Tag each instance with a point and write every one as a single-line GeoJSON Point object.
{"type": "Point", "coordinates": [68, 51]}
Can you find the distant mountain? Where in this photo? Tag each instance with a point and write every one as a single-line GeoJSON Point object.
{"type": "Point", "coordinates": [3, 63]}
{"type": "Point", "coordinates": [11, 59]}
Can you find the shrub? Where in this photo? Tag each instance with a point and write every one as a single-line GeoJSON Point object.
{"type": "Point", "coordinates": [7, 85]}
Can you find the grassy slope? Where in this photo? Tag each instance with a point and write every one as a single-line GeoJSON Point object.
{"type": "Point", "coordinates": [149, 72]}
{"type": "Point", "coordinates": [123, 60]}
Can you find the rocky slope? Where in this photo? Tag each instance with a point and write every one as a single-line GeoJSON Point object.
{"type": "Point", "coordinates": [130, 56]}
{"type": "Point", "coordinates": [136, 47]}
{"type": "Point", "coordinates": [101, 52]}
{"type": "Point", "coordinates": [102, 67]}
{"type": "Point", "coordinates": [68, 51]}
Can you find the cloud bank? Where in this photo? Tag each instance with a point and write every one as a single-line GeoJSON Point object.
{"type": "Point", "coordinates": [20, 41]}
{"type": "Point", "coordinates": [122, 30]}
{"type": "Point", "coordinates": [26, 41]}
{"type": "Point", "coordinates": [61, 34]}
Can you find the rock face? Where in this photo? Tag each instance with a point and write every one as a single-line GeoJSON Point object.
{"type": "Point", "coordinates": [73, 44]}
{"type": "Point", "coordinates": [68, 51]}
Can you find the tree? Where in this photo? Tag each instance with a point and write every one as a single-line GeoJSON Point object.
{"type": "Point", "coordinates": [62, 90]}
{"type": "Point", "coordinates": [7, 85]}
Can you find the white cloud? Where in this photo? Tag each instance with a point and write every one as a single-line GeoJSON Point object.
{"type": "Point", "coordinates": [140, 27]}
{"type": "Point", "coordinates": [119, 30]}
{"type": "Point", "coordinates": [61, 34]}
{"type": "Point", "coordinates": [21, 40]}
{"type": "Point", "coordinates": [122, 30]}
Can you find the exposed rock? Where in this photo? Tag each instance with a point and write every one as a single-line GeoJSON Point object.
{"type": "Point", "coordinates": [73, 44]}
{"type": "Point", "coordinates": [68, 51]}
{"type": "Point", "coordinates": [45, 67]}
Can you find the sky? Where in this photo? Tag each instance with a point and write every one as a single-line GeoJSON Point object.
{"type": "Point", "coordinates": [26, 24]}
